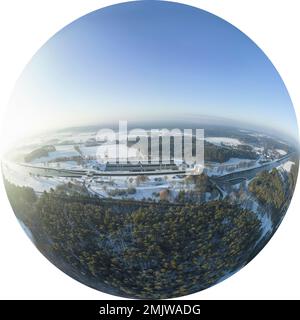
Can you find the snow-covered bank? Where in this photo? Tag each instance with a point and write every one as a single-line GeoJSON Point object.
{"type": "Point", "coordinates": [287, 166]}
{"type": "Point", "coordinates": [16, 174]}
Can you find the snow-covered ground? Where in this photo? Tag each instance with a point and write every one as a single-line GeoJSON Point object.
{"type": "Point", "coordinates": [63, 165]}
{"type": "Point", "coordinates": [251, 204]}
{"type": "Point", "coordinates": [112, 151]}
{"type": "Point", "coordinates": [258, 149]}
{"type": "Point", "coordinates": [281, 152]}
{"type": "Point", "coordinates": [76, 137]}
{"type": "Point", "coordinates": [287, 166]}
{"type": "Point", "coordinates": [14, 174]}
{"type": "Point", "coordinates": [231, 165]}
{"type": "Point", "coordinates": [61, 152]}
{"type": "Point", "coordinates": [143, 191]}
{"type": "Point", "coordinates": [266, 224]}
{"type": "Point", "coordinates": [235, 161]}
{"type": "Point", "coordinates": [256, 134]}
{"type": "Point", "coordinates": [89, 151]}
{"type": "Point", "coordinates": [244, 131]}
{"type": "Point", "coordinates": [223, 140]}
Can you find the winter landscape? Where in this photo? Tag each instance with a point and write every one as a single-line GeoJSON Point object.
{"type": "Point", "coordinates": [195, 186]}
{"type": "Point", "coordinates": [245, 184]}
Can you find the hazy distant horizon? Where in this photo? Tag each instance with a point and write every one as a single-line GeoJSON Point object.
{"type": "Point", "coordinates": [205, 123]}
{"type": "Point", "coordinates": [148, 61]}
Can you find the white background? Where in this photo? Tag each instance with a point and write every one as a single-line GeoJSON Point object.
{"type": "Point", "coordinates": [26, 25]}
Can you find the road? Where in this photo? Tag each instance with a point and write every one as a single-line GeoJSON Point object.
{"type": "Point", "coordinates": [52, 172]}
{"type": "Point", "coordinates": [248, 174]}
{"type": "Point", "coordinates": [219, 181]}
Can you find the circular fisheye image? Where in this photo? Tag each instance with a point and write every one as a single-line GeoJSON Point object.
{"type": "Point", "coordinates": [153, 150]}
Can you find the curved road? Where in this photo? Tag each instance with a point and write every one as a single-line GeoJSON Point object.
{"type": "Point", "coordinates": [247, 174]}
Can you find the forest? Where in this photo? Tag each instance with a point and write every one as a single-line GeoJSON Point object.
{"type": "Point", "coordinates": [38, 153]}
{"type": "Point", "coordinates": [142, 251]}
{"type": "Point", "coordinates": [274, 190]}
{"type": "Point", "coordinates": [222, 154]}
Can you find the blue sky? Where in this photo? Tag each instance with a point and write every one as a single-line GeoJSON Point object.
{"type": "Point", "coordinates": [151, 60]}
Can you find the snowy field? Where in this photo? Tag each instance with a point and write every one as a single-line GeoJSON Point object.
{"type": "Point", "coordinates": [70, 165]}
{"type": "Point", "coordinates": [14, 174]}
{"type": "Point", "coordinates": [80, 137]}
{"type": "Point", "coordinates": [61, 152]}
{"type": "Point", "coordinates": [258, 149]}
{"type": "Point", "coordinates": [109, 151]}
{"type": "Point", "coordinates": [281, 152]}
{"type": "Point", "coordinates": [223, 140]}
